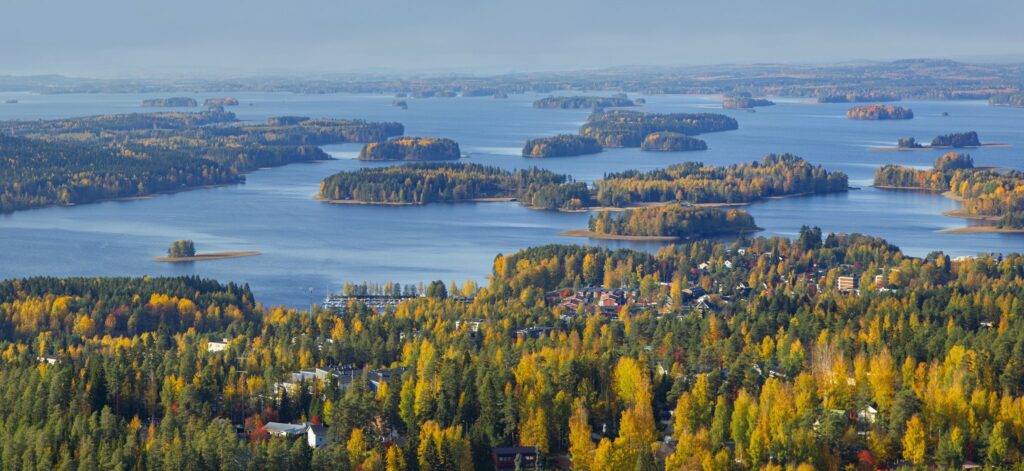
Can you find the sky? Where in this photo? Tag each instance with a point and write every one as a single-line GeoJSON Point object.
{"type": "Point", "coordinates": [140, 38]}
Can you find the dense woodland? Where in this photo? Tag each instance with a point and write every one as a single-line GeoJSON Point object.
{"type": "Point", "coordinates": [957, 140]}
{"type": "Point", "coordinates": [173, 102]}
{"type": "Point", "coordinates": [879, 112]}
{"type": "Point", "coordinates": [220, 101]}
{"type": "Point", "coordinates": [83, 160]}
{"type": "Point", "coordinates": [424, 183]}
{"type": "Point", "coordinates": [562, 145]}
{"type": "Point", "coordinates": [996, 196]}
{"type": "Point", "coordinates": [411, 149]}
{"type": "Point", "coordinates": [673, 220]}
{"type": "Point", "coordinates": [582, 102]}
{"type": "Point", "coordinates": [694, 182]}
{"type": "Point", "coordinates": [667, 141]}
{"type": "Point", "coordinates": [623, 128]}
{"type": "Point", "coordinates": [921, 366]}
{"type": "Point", "coordinates": [856, 98]}
{"type": "Point", "coordinates": [744, 102]}
{"type": "Point", "coordinates": [1016, 99]}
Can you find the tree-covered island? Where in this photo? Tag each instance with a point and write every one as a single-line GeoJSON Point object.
{"type": "Point", "coordinates": [625, 128]}
{"type": "Point", "coordinates": [879, 112]}
{"type": "Point", "coordinates": [411, 149]}
{"type": "Point", "coordinates": [667, 141]}
{"type": "Point", "coordinates": [582, 102]}
{"type": "Point", "coordinates": [562, 145]}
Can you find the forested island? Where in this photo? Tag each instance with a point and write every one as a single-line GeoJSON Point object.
{"type": "Point", "coordinates": [83, 160]}
{"type": "Point", "coordinates": [222, 101]}
{"type": "Point", "coordinates": [624, 128]}
{"type": "Point", "coordinates": [957, 140]}
{"type": "Point", "coordinates": [1015, 100]}
{"type": "Point", "coordinates": [173, 102]}
{"type": "Point", "coordinates": [879, 112]}
{"type": "Point", "coordinates": [667, 141]}
{"type": "Point", "coordinates": [744, 102]}
{"type": "Point", "coordinates": [424, 183]}
{"type": "Point", "coordinates": [746, 349]}
{"type": "Point", "coordinates": [994, 199]}
{"type": "Point", "coordinates": [693, 182]}
{"type": "Point", "coordinates": [562, 145]}
{"type": "Point", "coordinates": [667, 222]}
{"type": "Point", "coordinates": [411, 149]}
{"type": "Point", "coordinates": [582, 102]}
{"type": "Point", "coordinates": [857, 98]}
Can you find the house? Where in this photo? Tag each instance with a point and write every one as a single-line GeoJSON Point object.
{"type": "Point", "coordinates": [378, 377]}
{"type": "Point", "coordinates": [51, 360]}
{"type": "Point", "coordinates": [846, 283]}
{"type": "Point", "coordinates": [867, 415]}
{"type": "Point", "coordinates": [279, 429]}
{"type": "Point", "coordinates": [316, 435]}
{"type": "Point", "coordinates": [214, 346]}
{"type": "Point", "coordinates": [504, 458]}
{"type": "Point", "coordinates": [534, 332]}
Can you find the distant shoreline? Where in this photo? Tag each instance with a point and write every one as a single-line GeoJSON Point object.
{"type": "Point", "coordinates": [199, 257]}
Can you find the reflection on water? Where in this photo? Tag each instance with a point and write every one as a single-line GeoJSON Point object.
{"type": "Point", "coordinates": [308, 244]}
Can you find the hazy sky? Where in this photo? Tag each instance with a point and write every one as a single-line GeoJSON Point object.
{"type": "Point", "coordinates": [247, 37]}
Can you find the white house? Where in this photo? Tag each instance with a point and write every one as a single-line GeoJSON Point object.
{"type": "Point", "coordinates": [316, 436]}
{"type": "Point", "coordinates": [213, 346]}
{"type": "Point", "coordinates": [278, 429]}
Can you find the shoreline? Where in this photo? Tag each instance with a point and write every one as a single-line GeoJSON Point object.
{"type": "Point", "coordinates": [199, 257]}
{"type": "Point", "coordinates": [987, 223]}
{"type": "Point", "coordinates": [493, 199]}
{"type": "Point", "coordinates": [993, 144]}
{"type": "Point", "coordinates": [598, 235]}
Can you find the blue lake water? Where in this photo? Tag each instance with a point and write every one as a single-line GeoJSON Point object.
{"type": "Point", "coordinates": [308, 244]}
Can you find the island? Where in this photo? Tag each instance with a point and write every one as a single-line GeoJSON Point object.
{"type": "Point", "coordinates": [1013, 99]}
{"type": "Point", "coordinates": [957, 140]}
{"type": "Point", "coordinates": [400, 104]}
{"type": "Point", "coordinates": [222, 101]}
{"type": "Point", "coordinates": [423, 183]}
{"type": "Point", "coordinates": [582, 102]}
{"type": "Point", "coordinates": [625, 128]}
{"type": "Point", "coordinates": [667, 223]}
{"type": "Point", "coordinates": [667, 141]}
{"type": "Point", "coordinates": [879, 112]}
{"type": "Point", "coordinates": [857, 98]}
{"type": "Point", "coordinates": [11, 101]}
{"type": "Point", "coordinates": [173, 102]}
{"type": "Point", "coordinates": [95, 158]}
{"type": "Point", "coordinates": [562, 145]}
{"type": "Point", "coordinates": [906, 143]}
{"type": "Point", "coordinates": [185, 251]}
{"type": "Point", "coordinates": [744, 102]}
{"type": "Point", "coordinates": [946, 141]}
{"type": "Point", "coordinates": [411, 149]}
{"type": "Point", "coordinates": [990, 198]}
{"type": "Point", "coordinates": [692, 182]}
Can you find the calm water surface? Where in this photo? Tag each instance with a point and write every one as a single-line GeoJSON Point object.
{"type": "Point", "coordinates": [307, 244]}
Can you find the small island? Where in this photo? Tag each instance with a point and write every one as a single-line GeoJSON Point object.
{"type": "Point", "coordinates": [221, 101]}
{"type": "Point", "coordinates": [625, 128]}
{"type": "Point", "coordinates": [173, 102]}
{"type": "Point", "coordinates": [957, 140]}
{"type": "Point", "coordinates": [667, 223]}
{"type": "Point", "coordinates": [400, 104]}
{"type": "Point", "coordinates": [185, 251]}
{"type": "Point", "coordinates": [11, 101]}
{"type": "Point", "coordinates": [744, 102]}
{"type": "Point", "coordinates": [563, 145]}
{"type": "Point", "coordinates": [667, 141]}
{"type": "Point", "coordinates": [412, 149]}
{"type": "Point", "coordinates": [879, 113]}
{"type": "Point", "coordinates": [582, 102]}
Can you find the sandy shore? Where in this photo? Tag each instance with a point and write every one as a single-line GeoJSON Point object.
{"type": "Point", "coordinates": [208, 256]}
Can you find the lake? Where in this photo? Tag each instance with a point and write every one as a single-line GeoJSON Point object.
{"type": "Point", "coordinates": [308, 245]}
